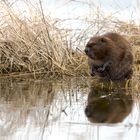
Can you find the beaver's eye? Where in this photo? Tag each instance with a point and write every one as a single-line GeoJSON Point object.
{"type": "Point", "coordinates": [102, 40]}
{"type": "Point", "coordinates": [89, 46]}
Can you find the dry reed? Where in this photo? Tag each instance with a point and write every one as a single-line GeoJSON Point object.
{"type": "Point", "coordinates": [38, 45]}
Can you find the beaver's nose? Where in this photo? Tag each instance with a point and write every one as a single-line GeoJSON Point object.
{"type": "Point", "coordinates": [86, 50]}
{"type": "Point", "coordinates": [88, 112]}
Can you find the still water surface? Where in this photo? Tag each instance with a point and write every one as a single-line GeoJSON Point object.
{"type": "Point", "coordinates": [73, 109]}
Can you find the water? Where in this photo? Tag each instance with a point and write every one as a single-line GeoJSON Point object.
{"type": "Point", "coordinates": [50, 110]}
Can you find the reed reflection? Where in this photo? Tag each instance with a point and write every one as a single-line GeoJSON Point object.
{"type": "Point", "coordinates": [24, 102]}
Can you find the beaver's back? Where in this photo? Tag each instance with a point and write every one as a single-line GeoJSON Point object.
{"type": "Point", "coordinates": [122, 69]}
{"type": "Point", "coordinates": [119, 40]}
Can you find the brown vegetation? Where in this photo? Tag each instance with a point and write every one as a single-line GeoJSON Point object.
{"type": "Point", "coordinates": [39, 45]}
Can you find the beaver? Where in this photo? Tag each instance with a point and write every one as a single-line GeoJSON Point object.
{"type": "Point", "coordinates": [110, 56]}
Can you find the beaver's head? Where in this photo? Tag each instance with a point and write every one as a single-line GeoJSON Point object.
{"type": "Point", "coordinates": [98, 47]}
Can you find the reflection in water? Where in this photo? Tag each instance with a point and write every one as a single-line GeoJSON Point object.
{"type": "Point", "coordinates": [21, 102]}
{"type": "Point", "coordinates": [108, 105]}
{"type": "Point", "coordinates": [48, 110]}
{"type": "Point", "coordinates": [30, 108]}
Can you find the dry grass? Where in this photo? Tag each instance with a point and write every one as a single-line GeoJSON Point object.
{"type": "Point", "coordinates": [38, 46]}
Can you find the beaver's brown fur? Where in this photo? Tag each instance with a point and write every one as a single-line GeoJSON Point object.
{"type": "Point", "coordinates": [110, 56]}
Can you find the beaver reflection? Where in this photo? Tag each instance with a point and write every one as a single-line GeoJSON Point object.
{"type": "Point", "coordinates": [106, 107]}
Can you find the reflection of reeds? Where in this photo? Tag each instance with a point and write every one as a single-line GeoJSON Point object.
{"type": "Point", "coordinates": [38, 102]}
{"type": "Point", "coordinates": [36, 45]}
{"type": "Point", "coordinates": [24, 100]}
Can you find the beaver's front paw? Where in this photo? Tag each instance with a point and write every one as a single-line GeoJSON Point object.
{"type": "Point", "coordinates": [100, 70]}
